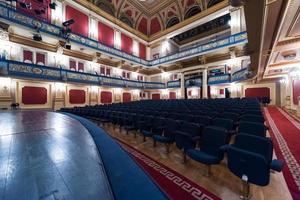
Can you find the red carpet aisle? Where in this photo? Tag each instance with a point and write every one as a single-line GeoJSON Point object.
{"type": "Point", "coordinates": [176, 186]}
{"type": "Point", "coordinates": [285, 132]}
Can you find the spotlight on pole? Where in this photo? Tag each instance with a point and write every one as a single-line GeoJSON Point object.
{"type": "Point", "coordinates": [52, 5]}
{"type": "Point", "coordinates": [68, 23]}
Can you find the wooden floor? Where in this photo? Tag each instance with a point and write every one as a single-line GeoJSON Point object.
{"type": "Point", "coordinates": [222, 182]}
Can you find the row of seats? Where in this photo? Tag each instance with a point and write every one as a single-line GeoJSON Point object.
{"type": "Point", "coordinates": [201, 129]}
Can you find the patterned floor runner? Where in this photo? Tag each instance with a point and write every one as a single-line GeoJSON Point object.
{"type": "Point", "coordinates": [285, 132]}
{"type": "Point", "coordinates": [176, 186]}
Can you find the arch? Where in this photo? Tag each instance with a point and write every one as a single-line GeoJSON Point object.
{"type": "Point", "coordinates": [126, 19]}
{"type": "Point", "coordinates": [192, 11]}
{"type": "Point", "coordinates": [155, 25]}
{"type": "Point", "coordinates": [172, 22]}
{"type": "Point", "coordinates": [106, 6]}
{"type": "Point", "coordinates": [213, 2]}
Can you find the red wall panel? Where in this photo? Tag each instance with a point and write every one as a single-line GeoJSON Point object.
{"type": "Point", "coordinates": [172, 95]}
{"type": "Point", "coordinates": [81, 25]}
{"type": "Point", "coordinates": [126, 97]}
{"type": "Point", "coordinates": [156, 96]}
{"type": "Point", "coordinates": [106, 97]}
{"type": "Point", "coordinates": [154, 26]}
{"type": "Point", "coordinates": [34, 95]}
{"type": "Point", "coordinates": [76, 96]}
{"type": "Point", "coordinates": [27, 55]}
{"type": "Point", "coordinates": [36, 5]}
{"type": "Point", "coordinates": [143, 26]}
{"type": "Point", "coordinates": [126, 43]}
{"type": "Point", "coordinates": [257, 92]}
{"type": "Point", "coordinates": [142, 49]}
{"type": "Point", "coordinates": [221, 91]}
{"type": "Point", "coordinates": [106, 34]}
{"type": "Point", "coordinates": [296, 91]}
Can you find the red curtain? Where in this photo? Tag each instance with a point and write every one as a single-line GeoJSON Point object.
{"type": "Point", "coordinates": [102, 70]}
{"type": "Point", "coordinates": [126, 97]}
{"type": "Point", "coordinates": [27, 55]}
{"type": "Point", "coordinates": [34, 95]}
{"type": "Point", "coordinates": [296, 91]}
{"type": "Point", "coordinates": [80, 66]}
{"type": "Point", "coordinates": [142, 49]}
{"type": "Point", "coordinates": [126, 44]}
{"type": "Point", "coordinates": [108, 71]}
{"type": "Point", "coordinates": [76, 96]}
{"type": "Point", "coordinates": [106, 97]}
{"type": "Point", "coordinates": [81, 25]}
{"type": "Point", "coordinates": [72, 64]}
{"type": "Point", "coordinates": [172, 95]}
{"type": "Point", "coordinates": [42, 8]}
{"type": "Point", "coordinates": [106, 34]}
{"type": "Point", "coordinates": [257, 92]}
{"type": "Point", "coordinates": [40, 58]}
{"type": "Point", "coordinates": [156, 96]}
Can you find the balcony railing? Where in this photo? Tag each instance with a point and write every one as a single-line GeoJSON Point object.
{"type": "Point", "coordinates": [242, 74]}
{"type": "Point", "coordinates": [26, 70]}
{"type": "Point", "coordinates": [13, 16]}
{"type": "Point", "coordinates": [218, 79]}
{"type": "Point", "coordinates": [174, 84]}
{"type": "Point", "coordinates": [193, 82]}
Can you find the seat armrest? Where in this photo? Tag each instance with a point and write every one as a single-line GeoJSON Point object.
{"type": "Point", "coordinates": [224, 148]}
{"type": "Point", "coordinates": [277, 165]}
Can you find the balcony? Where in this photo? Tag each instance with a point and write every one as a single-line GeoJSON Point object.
{"type": "Point", "coordinates": [193, 82]}
{"type": "Point", "coordinates": [26, 70]}
{"type": "Point", "coordinates": [12, 16]}
{"type": "Point", "coordinates": [174, 84]}
{"type": "Point", "coordinates": [219, 79]}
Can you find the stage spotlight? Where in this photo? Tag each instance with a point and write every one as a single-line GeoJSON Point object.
{"type": "Point", "coordinates": [37, 37]}
{"type": "Point", "coordinates": [25, 5]}
{"type": "Point", "coordinates": [69, 22]}
{"type": "Point", "coordinates": [52, 5]}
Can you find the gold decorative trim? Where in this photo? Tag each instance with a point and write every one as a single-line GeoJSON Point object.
{"type": "Point", "coordinates": [282, 64]}
{"type": "Point", "coordinates": [78, 54]}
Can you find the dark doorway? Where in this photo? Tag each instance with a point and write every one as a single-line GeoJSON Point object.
{"type": "Point", "coordinates": [227, 93]}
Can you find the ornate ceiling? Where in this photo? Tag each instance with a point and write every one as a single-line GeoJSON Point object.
{"type": "Point", "coordinates": [152, 16]}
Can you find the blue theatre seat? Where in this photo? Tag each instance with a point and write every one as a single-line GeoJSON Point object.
{"type": "Point", "coordinates": [210, 153]}
{"type": "Point", "coordinates": [252, 128]}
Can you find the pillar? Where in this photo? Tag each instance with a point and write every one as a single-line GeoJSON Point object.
{"type": "Point", "coordinates": [237, 22]}
{"type": "Point", "coordinates": [182, 86]}
{"type": "Point", "coordinates": [289, 95]}
{"type": "Point", "coordinates": [204, 84]}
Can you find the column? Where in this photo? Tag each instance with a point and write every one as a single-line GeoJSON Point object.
{"type": "Point", "coordinates": [182, 86]}
{"type": "Point", "coordinates": [289, 95]}
{"type": "Point", "coordinates": [237, 22]}
{"type": "Point", "coordinates": [204, 84]}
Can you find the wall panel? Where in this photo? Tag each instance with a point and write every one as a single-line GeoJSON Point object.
{"type": "Point", "coordinates": [81, 25]}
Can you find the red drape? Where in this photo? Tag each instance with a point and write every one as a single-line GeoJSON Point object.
{"type": "Point", "coordinates": [34, 95]}
{"type": "Point", "coordinates": [106, 34]}
{"type": "Point", "coordinates": [80, 66]}
{"type": "Point", "coordinates": [106, 97]}
{"type": "Point", "coordinates": [142, 49]}
{"type": "Point", "coordinates": [40, 58]}
{"type": "Point", "coordinates": [296, 91]}
{"type": "Point", "coordinates": [126, 43]}
{"type": "Point", "coordinates": [172, 95]}
{"type": "Point", "coordinates": [72, 64]}
{"type": "Point", "coordinates": [102, 70]}
{"type": "Point", "coordinates": [257, 92]}
{"type": "Point", "coordinates": [81, 25]}
{"type": "Point", "coordinates": [126, 97]}
{"type": "Point", "coordinates": [108, 71]}
{"type": "Point", "coordinates": [76, 96]}
{"type": "Point", "coordinates": [156, 96]}
{"type": "Point", "coordinates": [27, 55]}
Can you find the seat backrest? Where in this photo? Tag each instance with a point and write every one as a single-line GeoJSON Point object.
{"type": "Point", "coordinates": [190, 128]}
{"type": "Point", "coordinates": [212, 139]}
{"type": "Point", "coordinates": [171, 126]}
{"type": "Point", "coordinates": [246, 164]}
{"type": "Point", "coordinates": [223, 123]}
{"type": "Point", "coordinates": [229, 115]}
{"type": "Point", "coordinates": [204, 120]}
{"type": "Point", "coordinates": [256, 144]}
{"type": "Point", "coordinates": [253, 118]}
{"type": "Point", "coordinates": [252, 128]}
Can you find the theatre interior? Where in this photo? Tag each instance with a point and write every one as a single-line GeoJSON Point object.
{"type": "Point", "coordinates": [149, 99]}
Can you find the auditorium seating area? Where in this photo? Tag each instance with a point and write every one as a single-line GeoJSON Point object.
{"type": "Point", "coordinates": [205, 130]}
